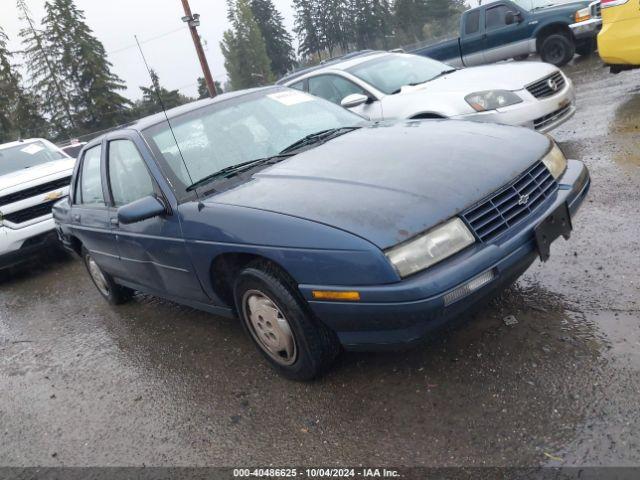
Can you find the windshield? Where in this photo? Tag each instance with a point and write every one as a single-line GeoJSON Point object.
{"type": "Point", "coordinates": [27, 155]}
{"type": "Point", "coordinates": [392, 72]}
{"type": "Point", "coordinates": [241, 130]}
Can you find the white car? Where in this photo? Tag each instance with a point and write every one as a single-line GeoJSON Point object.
{"type": "Point", "coordinates": [34, 174]}
{"type": "Point", "coordinates": [383, 85]}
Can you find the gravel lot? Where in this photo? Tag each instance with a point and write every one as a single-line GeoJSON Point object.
{"type": "Point", "coordinates": [154, 383]}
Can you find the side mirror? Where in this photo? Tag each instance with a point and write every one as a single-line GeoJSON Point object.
{"type": "Point", "coordinates": [512, 17]}
{"type": "Point", "coordinates": [142, 209]}
{"type": "Point", "coordinates": [354, 100]}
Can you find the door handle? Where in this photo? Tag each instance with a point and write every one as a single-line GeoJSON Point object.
{"type": "Point", "coordinates": [114, 221]}
{"type": "Point", "coordinates": [75, 217]}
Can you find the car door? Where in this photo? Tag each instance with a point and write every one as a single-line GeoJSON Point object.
{"type": "Point", "coordinates": [472, 42]}
{"type": "Point", "coordinates": [152, 251]}
{"type": "Point", "coordinates": [504, 41]}
{"type": "Point", "coordinates": [334, 88]}
{"type": "Point", "coordinates": [88, 215]}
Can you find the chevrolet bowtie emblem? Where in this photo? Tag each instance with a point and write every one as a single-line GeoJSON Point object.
{"type": "Point", "coordinates": [523, 199]}
{"type": "Point", "coordinates": [52, 196]}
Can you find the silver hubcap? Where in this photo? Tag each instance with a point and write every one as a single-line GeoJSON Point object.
{"type": "Point", "coordinates": [269, 327]}
{"type": "Point", "coordinates": [97, 276]}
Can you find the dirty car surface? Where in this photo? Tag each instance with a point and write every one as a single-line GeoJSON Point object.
{"type": "Point", "coordinates": [316, 228]}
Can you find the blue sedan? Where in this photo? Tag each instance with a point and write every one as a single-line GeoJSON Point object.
{"type": "Point", "coordinates": [318, 229]}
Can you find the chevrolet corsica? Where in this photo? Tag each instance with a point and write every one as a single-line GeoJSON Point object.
{"type": "Point", "coordinates": [318, 229]}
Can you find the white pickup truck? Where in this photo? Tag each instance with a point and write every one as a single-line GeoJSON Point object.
{"type": "Point", "coordinates": [34, 174]}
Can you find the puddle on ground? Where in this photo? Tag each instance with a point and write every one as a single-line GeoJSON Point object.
{"type": "Point", "coordinates": [625, 130]}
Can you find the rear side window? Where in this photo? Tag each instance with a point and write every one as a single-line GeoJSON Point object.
{"type": "Point", "coordinates": [495, 17]}
{"type": "Point", "coordinates": [128, 175]}
{"type": "Point", "coordinates": [472, 23]}
{"type": "Point", "coordinates": [90, 191]}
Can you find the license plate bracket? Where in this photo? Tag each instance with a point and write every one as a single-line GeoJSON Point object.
{"type": "Point", "coordinates": [556, 224]}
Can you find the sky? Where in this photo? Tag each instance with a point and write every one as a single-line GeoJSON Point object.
{"type": "Point", "coordinates": [165, 38]}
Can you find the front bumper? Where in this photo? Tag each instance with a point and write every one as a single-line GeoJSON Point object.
{"type": "Point", "coordinates": [540, 114]}
{"type": "Point", "coordinates": [400, 314]}
{"type": "Point", "coordinates": [17, 246]}
{"type": "Point", "coordinates": [587, 29]}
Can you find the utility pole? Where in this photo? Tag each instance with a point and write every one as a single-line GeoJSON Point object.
{"type": "Point", "coordinates": [193, 20]}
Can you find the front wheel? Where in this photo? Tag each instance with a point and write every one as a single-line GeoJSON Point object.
{"type": "Point", "coordinates": [295, 344]}
{"type": "Point", "coordinates": [108, 288]}
{"type": "Point", "coordinates": [557, 50]}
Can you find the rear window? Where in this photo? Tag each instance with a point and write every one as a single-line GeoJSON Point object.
{"type": "Point", "coordinates": [27, 155]}
{"type": "Point", "coordinates": [472, 23]}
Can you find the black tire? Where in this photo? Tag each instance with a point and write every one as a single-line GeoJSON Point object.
{"type": "Point", "coordinates": [587, 48]}
{"type": "Point", "coordinates": [557, 50]}
{"type": "Point", "coordinates": [315, 347]}
{"type": "Point", "coordinates": [522, 57]}
{"type": "Point", "coordinates": [115, 294]}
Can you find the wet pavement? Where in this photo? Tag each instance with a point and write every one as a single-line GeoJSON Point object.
{"type": "Point", "coordinates": [154, 383]}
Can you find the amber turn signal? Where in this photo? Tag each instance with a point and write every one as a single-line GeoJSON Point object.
{"type": "Point", "coordinates": [329, 295]}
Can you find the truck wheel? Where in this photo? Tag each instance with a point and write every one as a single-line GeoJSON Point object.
{"type": "Point", "coordinates": [110, 290]}
{"type": "Point", "coordinates": [557, 50]}
{"type": "Point", "coordinates": [278, 322]}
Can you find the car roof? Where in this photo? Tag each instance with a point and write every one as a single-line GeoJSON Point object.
{"type": "Point", "coordinates": [339, 63]}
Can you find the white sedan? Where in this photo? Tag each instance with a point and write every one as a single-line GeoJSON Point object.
{"type": "Point", "coordinates": [383, 85]}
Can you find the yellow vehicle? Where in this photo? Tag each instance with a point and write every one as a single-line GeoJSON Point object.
{"type": "Point", "coordinates": [619, 39]}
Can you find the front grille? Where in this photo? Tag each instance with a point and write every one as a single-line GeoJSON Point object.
{"type": "Point", "coordinates": [595, 10]}
{"type": "Point", "coordinates": [507, 207]}
{"type": "Point", "coordinates": [542, 122]}
{"type": "Point", "coordinates": [544, 88]}
{"type": "Point", "coordinates": [30, 213]}
{"type": "Point", "coordinates": [33, 191]}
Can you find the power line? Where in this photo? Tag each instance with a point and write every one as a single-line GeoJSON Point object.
{"type": "Point", "coordinates": [161, 35]}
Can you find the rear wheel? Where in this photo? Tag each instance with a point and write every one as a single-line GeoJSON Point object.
{"type": "Point", "coordinates": [108, 288]}
{"type": "Point", "coordinates": [278, 321]}
{"type": "Point", "coordinates": [557, 50]}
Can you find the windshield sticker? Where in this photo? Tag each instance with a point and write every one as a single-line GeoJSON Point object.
{"type": "Point", "coordinates": [32, 149]}
{"type": "Point", "coordinates": [290, 98]}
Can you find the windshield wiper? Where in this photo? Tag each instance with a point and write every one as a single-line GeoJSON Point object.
{"type": "Point", "coordinates": [415, 84]}
{"type": "Point", "coordinates": [238, 168]}
{"type": "Point", "coordinates": [316, 137]}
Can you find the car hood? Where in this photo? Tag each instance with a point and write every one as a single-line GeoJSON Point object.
{"type": "Point", "coordinates": [506, 76]}
{"type": "Point", "coordinates": [391, 181]}
{"type": "Point", "coordinates": [12, 181]}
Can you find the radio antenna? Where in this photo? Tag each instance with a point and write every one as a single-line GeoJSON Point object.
{"type": "Point", "coordinates": [164, 110]}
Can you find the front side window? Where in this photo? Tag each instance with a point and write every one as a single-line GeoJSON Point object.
{"type": "Point", "coordinates": [298, 86]}
{"type": "Point", "coordinates": [333, 87]}
{"type": "Point", "coordinates": [495, 17]}
{"type": "Point", "coordinates": [241, 129]}
{"type": "Point", "coordinates": [128, 175]}
{"type": "Point", "coordinates": [90, 192]}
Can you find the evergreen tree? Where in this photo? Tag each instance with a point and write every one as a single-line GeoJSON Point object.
{"type": "Point", "coordinates": [150, 103]}
{"type": "Point", "coordinates": [45, 69]}
{"type": "Point", "coordinates": [19, 110]}
{"type": "Point", "coordinates": [307, 29]}
{"type": "Point", "coordinates": [411, 16]}
{"type": "Point", "coordinates": [244, 49]}
{"type": "Point", "coordinates": [203, 91]}
{"type": "Point", "coordinates": [278, 41]}
{"type": "Point", "coordinates": [95, 101]}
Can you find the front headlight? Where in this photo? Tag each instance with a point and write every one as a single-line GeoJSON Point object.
{"type": "Point", "coordinates": [492, 99]}
{"type": "Point", "coordinates": [582, 15]}
{"type": "Point", "coordinates": [430, 248]}
{"type": "Point", "coordinates": [555, 161]}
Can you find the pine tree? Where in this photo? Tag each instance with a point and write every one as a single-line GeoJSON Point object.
{"type": "Point", "coordinates": [150, 103]}
{"type": "Point", "coordinates": [411, 16]}
{"type": "Point", "coordinates": [244, 49]}
{"type": "Point", "coordinates": [95, 101]}
{"type": "Point", "coordinates": [307, 29]}
{"type": "Point", "coordinates": [278, 41]}
{"type": "Point", "coordinates": [43, 61]}
{"type": "Point", "coordinates": [203, 90]}
{"type": "Point", "coordinates": [19, 110]}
